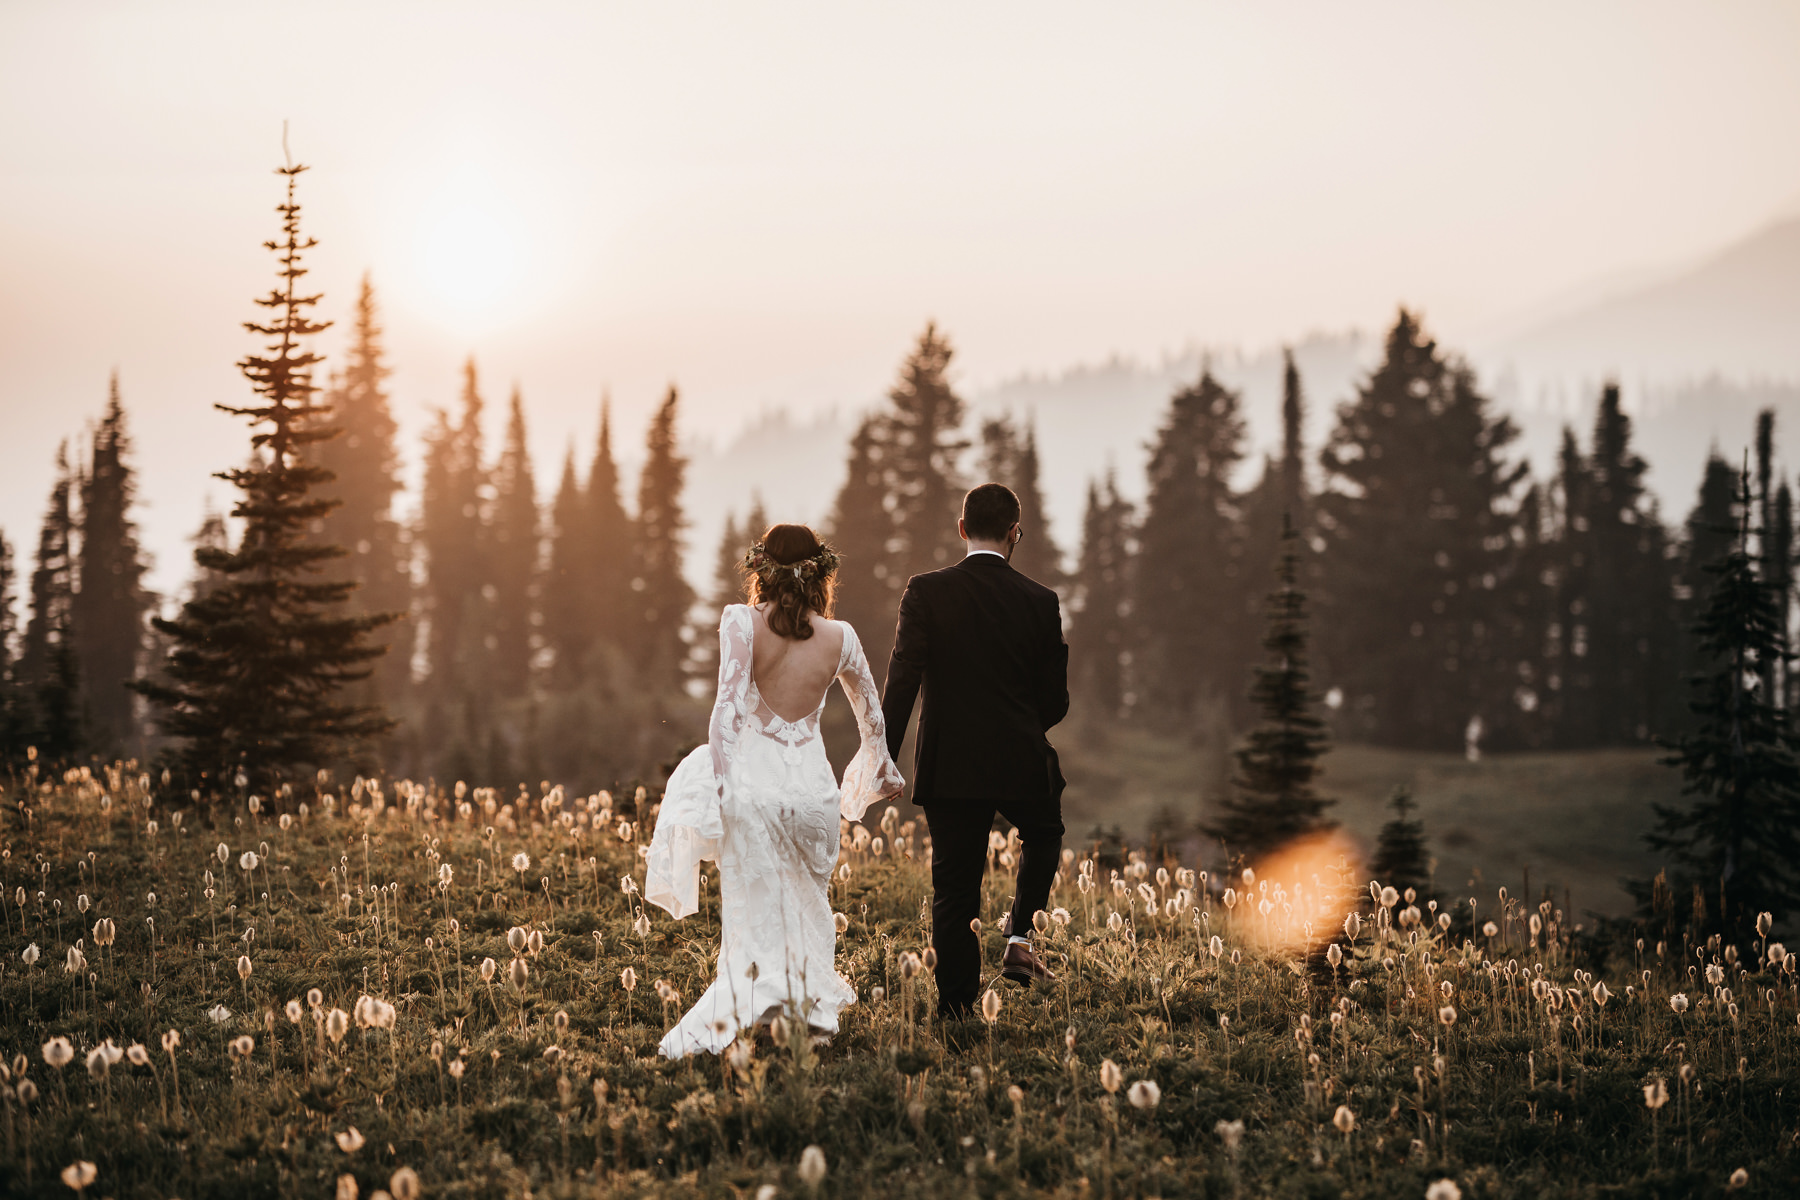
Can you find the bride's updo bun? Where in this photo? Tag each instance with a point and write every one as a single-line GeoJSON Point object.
{"type": "Point", "coordinates": [793, 572]}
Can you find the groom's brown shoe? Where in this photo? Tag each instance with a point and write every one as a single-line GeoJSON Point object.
{"type": "Point", "coordinates": [1021, 966]}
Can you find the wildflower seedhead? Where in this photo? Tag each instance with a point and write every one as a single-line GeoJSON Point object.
{"type": "Point", "coordinates": [244, 966]}
{"type": "Point", "coordinates": [488, 967]}
{"type": "Point", "coordinates": [404, 1184]}
{"type": "Point", "coordinates": [79, 1174]}
{"type": "Point", "coordinates": [1110, 1075]}
{"type": "Point", "coordinates": [1679, 1002]}
{"type": "Point", "coordinates": [1656, 1094]}
{"type": "Point", "coordinates": [812, 1166]}
{"type": "Point", "coordinates": [350, 1140]}
{"type": "Point", "coordinates": [138, 1055]}
{"type": "Point", "coordinates": [1144, 1094]}
{"type": "Point", "coordinates": [990, 1006]}
{"type": "Point", "coordinates": [1443, 1189]}
{"type": "Point", "coordinates": [1343, 1119]}
{"type": "Point", "coordinates": [337, 1024]}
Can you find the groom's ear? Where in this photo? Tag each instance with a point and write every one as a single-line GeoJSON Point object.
{"type": "Point", "coordinates": [962, 529]}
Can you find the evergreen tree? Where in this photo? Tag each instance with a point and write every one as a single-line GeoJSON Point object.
{"type": "Point", "coordinates": [1419, 520]}
{"type": "Point", "coordinates": [1009, 456]}
{"type": "Point", "coordinates": [454, 543]}
{"type": "Point", "coordinates": [1615, 621]}
{"type": "Point", "coordinates": [1737, 844]}
{"type": "Point", "coordinates": [1526, 611]}
{"type": "Point", "coordinates": [1278, 762]}
{"type": "Point", "coordinates": [922, 445]}
{"type": "Point", "coordinates": [1781, 578]}
{"type": "Point", "coordinates": [1278, 498]}
{"type": "Point", "coordinates": [48, 664]}
{"type": "Point", "coordinates": [568, 580]}
{"type": "Point", "coordinates": [862, 531]}
{"type": "Point", "coordinates": [110, 604]}
{"type": "Point", "coordinates": [513, 560]}
{"type": "Point", "coordinates": [610, 532]}
{"type": "Point", "coordinates": [1707, 537]}
{"type": "Point", "coordinates": [14, 712]}
{"type": "Point", "coordinates": [1189, 604]}
{"type": "Point", "coordinates": [364, 460]}
{"type": "Point", "coordinates": [1099, 629]}
{"type": "Point", "coordinates": [253, 683]}
{"type": "Point", "coordinates": [1402, 858]}
{"type": "Point", "coordinates": [661, 595]}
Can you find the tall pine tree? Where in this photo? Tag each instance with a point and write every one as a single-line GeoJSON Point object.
{"type": "Point", "coordinates": [1707, 537]}
{"type": "Point", "coordinates": [454, 543]}
{"type": "Point", "coordinates": [14, 714]}
{"type": "Point", "coordinates": [862, 531]}
{"type": "Point", "coordinates": [110, 604]}
{"type": "Point", "coordinates": [1275, 801]}
{"type": "Point", "coordinates": [610, 530]}
{"type": "Point", "coordinates": [1190, 573]}
{"type": "Point", "coordinates": [253, 685]}
{"type": "Point", "coordinates": [364, 460]}
{"type": "Point", "coordinates": [1402, 855]}
{"type": "Point", "coordinates": [1614, 627]}
{"type": "Point", "coordinates": [1419, 516]}
{"type": "Point", "coordinates": [661, 596]}
{"type": "Point", "coordinates": [922, 431]}
{"type": "Point", "coordinates": [568, 579]}
{"type": "Point", "coordinates": [1099, 629]}
{"type": "Point", "coordinates": [49, 670]}
{"type": "Point", "coordinates": [513, 561]}
{"type": "Point", "coordinates": [1736, 846]}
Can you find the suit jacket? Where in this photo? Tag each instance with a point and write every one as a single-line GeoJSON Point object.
{"type": "Point", "coordinates": [985, 645]}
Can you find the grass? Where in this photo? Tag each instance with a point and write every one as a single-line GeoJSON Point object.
{"type": "Point", "coordinates": [1574, 820]}
{"type": "Point", "coordinates": [480, 1088]}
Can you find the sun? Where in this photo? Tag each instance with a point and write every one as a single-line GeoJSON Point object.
{"type": "Point", "coordinates": [473, 257]}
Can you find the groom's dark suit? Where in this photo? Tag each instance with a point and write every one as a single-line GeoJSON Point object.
{"type": "Point", "coordinates": [985, 644]}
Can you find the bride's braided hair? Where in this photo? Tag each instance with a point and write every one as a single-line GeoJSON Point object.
{"type": "Point", "coordinates": [792, 571]}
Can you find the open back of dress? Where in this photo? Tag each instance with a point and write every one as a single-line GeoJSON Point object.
{"type": "Point", "coordinates": [760, 799]}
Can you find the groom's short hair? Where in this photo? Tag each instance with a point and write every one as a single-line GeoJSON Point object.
{"type": "Point", "coordinates": [989, 511]}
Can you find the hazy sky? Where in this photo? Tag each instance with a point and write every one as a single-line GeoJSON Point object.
{"type": "Point", "coordinates": [765, 202]}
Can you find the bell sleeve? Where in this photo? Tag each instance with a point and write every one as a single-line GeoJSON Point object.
{"type": "Point", "coordinates": [690, 826]}
{"type": "Point", "coordinates": [871, 775]}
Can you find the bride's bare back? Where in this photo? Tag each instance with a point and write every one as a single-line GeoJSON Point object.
{"type": "Point", "coordinates": [792, 675]}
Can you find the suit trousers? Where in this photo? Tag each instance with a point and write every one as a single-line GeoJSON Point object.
{"type": "Point", "coordinates": [959, 849]}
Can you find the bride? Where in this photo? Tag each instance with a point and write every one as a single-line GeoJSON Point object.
{"type": "Point", "coordinates": [760, 800]}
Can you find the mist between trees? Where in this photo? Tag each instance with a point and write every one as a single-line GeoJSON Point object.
{"type": "Point", "coordinates": [1451, 601]}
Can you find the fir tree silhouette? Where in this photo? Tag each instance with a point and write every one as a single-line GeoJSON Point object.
{"type": "Point", "coordinates": [252, 684]}
{"type": "Point", "coordinates": [1279, 760]}
{"type": "Point", "coordinates": [1402, 859]}
{"type": "Point", "coordinates": [1737, 844]}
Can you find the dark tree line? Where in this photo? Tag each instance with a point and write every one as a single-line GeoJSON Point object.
{"type": "Point", "coordinates": [1457, 599]}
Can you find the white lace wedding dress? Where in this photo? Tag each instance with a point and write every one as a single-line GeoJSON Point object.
{"type": "Point", "coordinates": [760, 800]}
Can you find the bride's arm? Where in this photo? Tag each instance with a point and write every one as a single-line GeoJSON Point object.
{"type": "Point", "coordinates": [871, 775]}
{"type": "Point", "coordinates": [730, 705]}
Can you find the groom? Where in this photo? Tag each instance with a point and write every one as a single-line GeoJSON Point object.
{"type": "Point", "coordinates": [986, 645]}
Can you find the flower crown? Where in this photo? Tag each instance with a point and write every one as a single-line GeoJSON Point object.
{"type": "Point", "coordinates": [758, 563]}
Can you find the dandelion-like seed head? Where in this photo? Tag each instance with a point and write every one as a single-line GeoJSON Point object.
{"type": "Point", "coordinates": [1110, 1075]}
{"type": "Point", "coordinates": [1343, 1120]}
{"type": "Point", "coordinates": [337, 1024]}
{"type": "Point", "coordinates": [170, 1041]}
{"type": "Point", "coordinates": [1144, 1094]}
{"type": "Point", "coordinates": [488, 968]}
{"type": "Point", "coordinates": [517, 973]}
{"type": "Point", "coordinates": [990, 1006]}
{"type": "Point", "coordinates": [79, 1174]}
{"type": "Point", "coordinates": [244, 966]}
{"type": "Point", "coordinates": [404, 1184]}
{"type": "Point", "coordinates": [628, 979]}
{"type": "Point", "coordinates": [58, 1053]}
{"type": "Point", "coordinates": [521, 862]}
{"type": "Point", "coordinates": [840, 922]}
{"type": "Point", "coordinates": [1334, 955]}
{"type": "Point", "coordinates": [1678, 1002]}
{"type": "Point", "coordinates": [1443, 1189]}
{"type": "Point", "coordinates": [247, 861]}
{"type": "Point", "coordinates": [929, 960]}
{"type": "Point", "coordinates": [515, 939]}
{"type": "Point", "coordinates": [812, 1166]}
{"type": "Point", "coordinates": [350, 1140]}
{"type": "Point", "coordinates": [138, 1055]}
{"type": "Point", "coordinates": [1656, 1094]}
{"type": "Point", "coordinates": [30, 954]}
{"type": "Point", "coordinates": [218, 1014]}
{"type": "Point", "coordinates": [243, 1046]}
{"type": "Point", "coordinates": [1447, 1016]}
